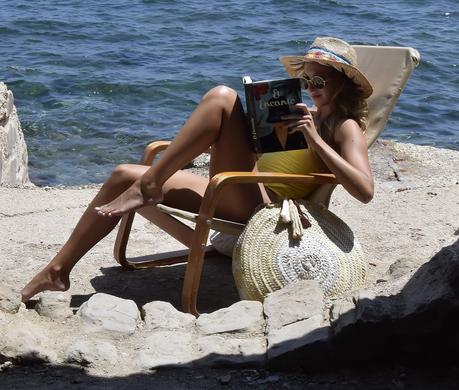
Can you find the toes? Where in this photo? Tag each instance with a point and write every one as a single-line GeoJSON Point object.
{"type": "Point", "coordinates": [103, 210]}
{"type": "Point", "coordinates": [106, 210]}
{"type": "Point", "coordinates": [116, 213]}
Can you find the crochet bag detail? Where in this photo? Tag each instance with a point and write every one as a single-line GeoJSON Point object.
{"type": "Point", "coordinates": [290, 241]}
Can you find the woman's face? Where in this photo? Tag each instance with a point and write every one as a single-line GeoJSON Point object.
{"type": "Point", "coordinates": [333, 81]}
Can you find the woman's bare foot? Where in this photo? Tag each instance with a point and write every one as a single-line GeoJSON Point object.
{"type": "Point", "coordinates": [49, 279]}
{"type": "Point", "coordinates": [129, 200]}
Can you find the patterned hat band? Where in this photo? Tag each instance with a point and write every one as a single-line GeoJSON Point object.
{"type": "Point", "coordinates": [332, 52]}
{"type": "Point", "coordinates": [322, 54]}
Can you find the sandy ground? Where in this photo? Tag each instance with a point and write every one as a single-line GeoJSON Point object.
{"type": "Point", "coordinates": [415, 212]}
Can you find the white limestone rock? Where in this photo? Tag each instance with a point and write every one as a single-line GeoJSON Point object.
{"type": "Point", "coordinates": [13, 149]}
{"type": "Point", "coordinates": [216, 350]}
{"type": "Point", "coordinates": [159, 315]}
{"type": "Point", "coordinates": [91, 352]}
{"type": "Point", "coordinates": [295, 302]}
{"type": "Point", "coordinates": [24, 340]}
{"type": "Point", "coordinates": [10, 300]}
{"type": "Point", "coordinates": [6, 102]}
{"type": "Point", "coordinates": [165, 349]}
{"type": "Point", "coordinates": [241, 317]}
{"type": "Point", "coordinates": [54, 305]}
{"type": "Point", "coordinates": [4, 318]}
{"type": "Point", "coordinates": [103, 312]}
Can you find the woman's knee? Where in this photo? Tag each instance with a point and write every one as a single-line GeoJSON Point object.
{"type": "Point", "coordinates": [122, 174]}
{"type": "Point", "coordinates": [221, 93]}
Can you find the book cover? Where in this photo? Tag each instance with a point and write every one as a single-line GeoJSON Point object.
{"type": "Point", "coordinates": [267, 101]}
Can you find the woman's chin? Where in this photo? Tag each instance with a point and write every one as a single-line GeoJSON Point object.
{"type": "Point", "coordinates": [317, 101]}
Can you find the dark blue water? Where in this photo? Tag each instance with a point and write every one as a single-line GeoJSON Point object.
{"type": "Point", "coordinates": [94, 81]}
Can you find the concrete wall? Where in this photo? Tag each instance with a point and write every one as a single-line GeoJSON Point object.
{"type": "Point", "coordinates": [13, 149]}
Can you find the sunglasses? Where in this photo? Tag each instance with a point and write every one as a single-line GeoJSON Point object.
{"type": "Point", "coordinates": [317, 82]}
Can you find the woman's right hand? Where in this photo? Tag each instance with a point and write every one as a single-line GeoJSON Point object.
{"type": "Point", "coordinates": [303, 121]}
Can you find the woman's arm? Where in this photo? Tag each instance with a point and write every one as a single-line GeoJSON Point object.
{"type": "Point", "coordinates": [350, 163]}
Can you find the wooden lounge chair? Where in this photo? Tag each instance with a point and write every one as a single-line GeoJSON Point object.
{"type": "Point", "coordinates": [387, 68]}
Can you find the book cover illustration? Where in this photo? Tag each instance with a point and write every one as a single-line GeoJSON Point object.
{"type": "Point", "coordinates": [267, 101]}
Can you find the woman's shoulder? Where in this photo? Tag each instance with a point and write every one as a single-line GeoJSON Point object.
{"type": "Point", "coordinates": [347, 128]}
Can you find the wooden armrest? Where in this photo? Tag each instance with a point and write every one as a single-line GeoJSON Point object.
{"type": "Point", "coordinates": [151, 150]}
{"type": "Point", "coordinates": [225, 178]}
{"type": "Point", "coordinates": [216, 184]}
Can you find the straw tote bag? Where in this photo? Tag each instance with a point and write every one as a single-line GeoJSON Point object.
{"type": "Point", "coordinates": [290, 241]}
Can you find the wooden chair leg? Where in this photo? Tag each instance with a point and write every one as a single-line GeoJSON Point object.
{"type": "Point", "coordinates": [194, 268]}
{"type": "Point", "coordinates": [198, 245]}
{"type": "Point", "coordinates": [176, 228]}
{"type": "Point", "coordinates": [122, 238]}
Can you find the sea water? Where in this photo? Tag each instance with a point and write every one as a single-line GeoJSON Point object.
{"type": "Point", "coordinates": [94, 81]}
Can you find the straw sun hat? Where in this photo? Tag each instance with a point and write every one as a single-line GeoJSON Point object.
{"type": "Point", "coordinates": [332, 52]}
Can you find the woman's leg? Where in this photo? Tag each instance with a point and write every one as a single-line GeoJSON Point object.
{"type": "Point", "coordinates": [218, 122]}
{"type": "Point", "coordinates": [183, 189]}
{"type": "Point", "coordinates": [90, 229]}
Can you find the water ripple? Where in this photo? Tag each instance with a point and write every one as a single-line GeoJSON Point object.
{"type": "Point", "coordinates": [96, 80]}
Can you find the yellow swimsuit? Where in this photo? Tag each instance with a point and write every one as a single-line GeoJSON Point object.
{"type": "Point", "coordinates": [302, 161]}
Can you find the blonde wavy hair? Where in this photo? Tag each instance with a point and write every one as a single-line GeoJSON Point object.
{"type": "Point", "coordinates": [349, 104]}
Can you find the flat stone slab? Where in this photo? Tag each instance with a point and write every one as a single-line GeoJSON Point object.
{"type": "Point", "coordinates": [293, 303]}
{"type": "Point", "coordinates": [103, 312]}
{"type": "Point", "coordinates": [241, 317]}
{"type": "Point", "coordinates": [160, 315]}
{"type": "Point", "coordinates": [91, 352]}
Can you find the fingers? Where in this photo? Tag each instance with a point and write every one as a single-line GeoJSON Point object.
{"type": "Point", "coordinates": [301, 125]}
{"type": "Point", "coordinates": [301, 111]}
{"type": "Point", "coordinates": [300, 121]}
{"type": "Point", "coordinates": [293, 120]}
{"type": "Point", "coordinates": [303, 107]}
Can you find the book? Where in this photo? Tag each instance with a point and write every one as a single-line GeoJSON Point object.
{"type": "Point", "coordinates": [267, 101]}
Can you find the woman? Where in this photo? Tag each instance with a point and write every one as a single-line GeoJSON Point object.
{"type": "Point", "coordinates": [334, 135]}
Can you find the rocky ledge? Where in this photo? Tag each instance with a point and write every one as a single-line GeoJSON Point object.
{"type": "Point", "coordinates": [411, 317]}
{"type": "Point", "coordinates": [111, 321]}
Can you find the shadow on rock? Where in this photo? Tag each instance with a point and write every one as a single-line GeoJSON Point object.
{"type": "Point", "coordinates": [410, 321]}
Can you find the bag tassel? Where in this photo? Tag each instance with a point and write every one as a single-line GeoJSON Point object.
{"type": "Point", "coordinates": [305, 222]}
{"type": "Point", "coordinates": [292, 214]}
